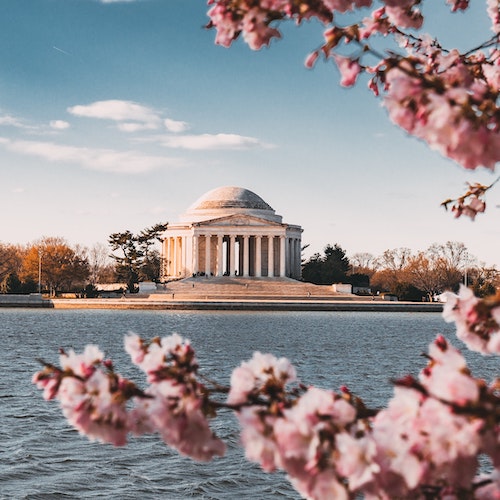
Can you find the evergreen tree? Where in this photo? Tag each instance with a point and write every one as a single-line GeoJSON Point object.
{"type": "Point", "coordinates": [137, 262]}
{"type": "Point", "coordinates": [332, 267]}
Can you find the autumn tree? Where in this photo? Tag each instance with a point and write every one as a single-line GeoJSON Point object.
{"type": "Point", "coordinates": [483, 279]}
{"type": "Point", "coordinates": [11, 257]}
{"type": "Point", "coordinates": [439, 268]}
{"type": "Point", "coordinates": [391, 273]}
{"type": "Point", "coordinates": [452, 258]}
{"type": "Point", "coordinates": [58, 266]}
{"type": "Point", "coordinates": [363, 263]}
{"type": "Point", "coordinates": [426, 274]}
{"type": "Point", "coordinates": [99, 263]}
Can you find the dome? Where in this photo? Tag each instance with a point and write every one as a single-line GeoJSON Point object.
{"type": "Point", "coordinates": [229, 200]}
{"type": "Point", "coordinates": [230, 197]}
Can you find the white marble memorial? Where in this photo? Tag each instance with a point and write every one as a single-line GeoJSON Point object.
{"type": "Point", "coordinates": [231, 231]}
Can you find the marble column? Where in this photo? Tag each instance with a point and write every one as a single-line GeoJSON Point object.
{"type": "Point", "coordinates": [195, 254]}
{"type": "Point", "coordinates": [220, 256]}
{"type": "Point", "coordinates": [169, 257]}
{"type": "Point", "coordinates": [292, 258]}
{"type": "Point", "coordinates": [282, 256]}
{"type": "Point", "coordinates": [298, 260]}
{"type": "Point", "coordinates": [175, 252]}
{"type": "Point", "coordinates": [208, 240]}
{"type": "Point", "coordinates": [232, 254]}
{"type": "Point", "coordinates": [246, 256]}
{"type": "Point", "coordinates": [258, 256]}
{"type": "Point", "coordinates": [183, 255]}
{"type": "Point", "coordinates": [270, 256]}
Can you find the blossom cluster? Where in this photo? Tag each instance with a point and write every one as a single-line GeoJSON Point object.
{"type": "Point", "coordinates": [424, 444]}
{"type": "Point", "coordinates": [477, 321]}
{"type": "Point", "coordinates": [471, 202]}
{"type": "Point", "coordinates": [446, 98]}
{"type": "Point", "coordinates": [427, 440]}
{"type": "Point", "coordinates": [93, 398]}
{"type": "Point", "coordinates": [104, 406]}
{"type": "Point", "coordinates": [177, 405]}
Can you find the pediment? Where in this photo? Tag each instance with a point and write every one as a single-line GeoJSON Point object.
{"type": "Point", "coordinates": [238, 220]}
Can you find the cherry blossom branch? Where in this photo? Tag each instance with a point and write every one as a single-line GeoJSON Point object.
{"type": "Point", "coordinates": [439, 95]}
{"type": "Point", "coordinates": [325, 441]}
{"type": "Point", "coordinates": [471, 202]}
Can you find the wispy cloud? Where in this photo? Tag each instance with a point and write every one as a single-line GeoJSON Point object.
{"type": "Point", "coordinates": [12, 121]}
{"type": "Point", "coordinates": [136, 127]}
{"type": "Point", "coordinates": [128, 113]}
{"type": "Point", "coordinates": [130, 116]}
{"type": "Point", "coordinates": [209, 141]}
{"type": "Point", "coordinates": [61, 50]}
{"type": "Point", "coordinates": [133, 117]}
{"type": "Point", "coordinates": [104, 160]}
{"type": "Point", "coordinates": [59, 124]}
{"type": "Point", "coordinates": [175, 126]}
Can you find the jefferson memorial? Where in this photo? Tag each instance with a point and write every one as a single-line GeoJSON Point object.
{"type": "Point", "coordinates": [231, 231]}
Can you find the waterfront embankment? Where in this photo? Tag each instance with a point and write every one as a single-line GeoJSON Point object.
{"type": "Point", "coordinates": [230, 294]}
{"type": "Point", "coordinates": [33, 300]}
{"type": "Point", "coordinates": [246, 305]}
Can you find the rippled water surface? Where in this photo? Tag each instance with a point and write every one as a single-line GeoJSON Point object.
{"type": "Point", "coordinates": [41, 457]}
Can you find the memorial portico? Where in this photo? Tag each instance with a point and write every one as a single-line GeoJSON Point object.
{"type": "Point", "coordinates": [231, 231]}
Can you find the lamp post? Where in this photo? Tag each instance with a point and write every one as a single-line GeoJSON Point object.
{"type": "Point", "coordinates": [465, 267]}
{"type": "Point", "coordinates": [40, 270]}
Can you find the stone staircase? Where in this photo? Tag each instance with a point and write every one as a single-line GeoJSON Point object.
{"type": "Point", "coordinates": [239, 288]}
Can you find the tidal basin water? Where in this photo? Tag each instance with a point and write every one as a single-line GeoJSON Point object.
{"type": "Point", "coordinates": [41, 457]}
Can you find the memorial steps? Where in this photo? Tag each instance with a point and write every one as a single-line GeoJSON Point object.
{"type": "Point", "coordinates": [239, 288]}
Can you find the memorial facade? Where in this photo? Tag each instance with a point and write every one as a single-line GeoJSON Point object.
{"type": "Point", "coordinates": [231, 231]}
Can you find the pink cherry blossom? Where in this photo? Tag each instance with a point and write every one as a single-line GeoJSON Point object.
{"type": "Point", "coordinates": [446, 98]}
{"type": "Point", "coordinates": [477, 321]}
{"type": "Point", "coordinates": [82, 365]}
{"type": "Point", "coordinates": [177, 415]}
{"type": "Point", "coordinates": [262, 373]}
{"type": "Point", "coordinates": [349, 70]}
{"type": "Point", "coordinates": [446, 378]}
{"type": "Point", "coordinates": [494, 14]}
{"type": "Point", "coordinates": [95, 409]}
{"type": "Point", "coordinates": [356, 460]}
{"type": "Point", "coordinates": [258, 439]}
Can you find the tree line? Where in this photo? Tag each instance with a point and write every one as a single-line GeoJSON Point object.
{"type": "Point", "coordinates": [51, 265]}
{"type": "Point", "coordinates": [408, 275]}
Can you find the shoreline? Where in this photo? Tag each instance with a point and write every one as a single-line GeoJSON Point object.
{"type": "Point", "coordinates": [145, 303]}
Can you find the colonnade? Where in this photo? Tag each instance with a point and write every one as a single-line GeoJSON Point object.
{"type": "Point", "coordinates": [219, 254]}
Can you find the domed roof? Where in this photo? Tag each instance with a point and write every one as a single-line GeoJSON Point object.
{"type": "Point", "coordinates": [230, 197]}
{"type": "Point", "coordinates": [229, 200]}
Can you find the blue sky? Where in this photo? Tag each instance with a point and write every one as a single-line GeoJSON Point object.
{"type": "Point", "coordinates": [119, 115]}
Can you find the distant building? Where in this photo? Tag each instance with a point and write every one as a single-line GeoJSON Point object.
{"type": "Point", "coordinates": [230, 231]}
{"type": "Point", "coordinates": [342, 288]}
{"type": "Point", "coordinates": [110, 290]}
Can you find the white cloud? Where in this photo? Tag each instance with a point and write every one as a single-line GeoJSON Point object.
{"type": "Point", "coordinates": [175, 126]}
{"type": "Point", "coordinates": [59, 124]}
{"type": "Point", "coordinates": [135, 127]}
{"type": "Point", "coordinates": [104, 160]}
{"type": "Point", "coordinates": [210, 141]}
{"type": "Point", "coordinates": [11, 121]}
{"type": "Point", "coordinates": [119, 111]}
